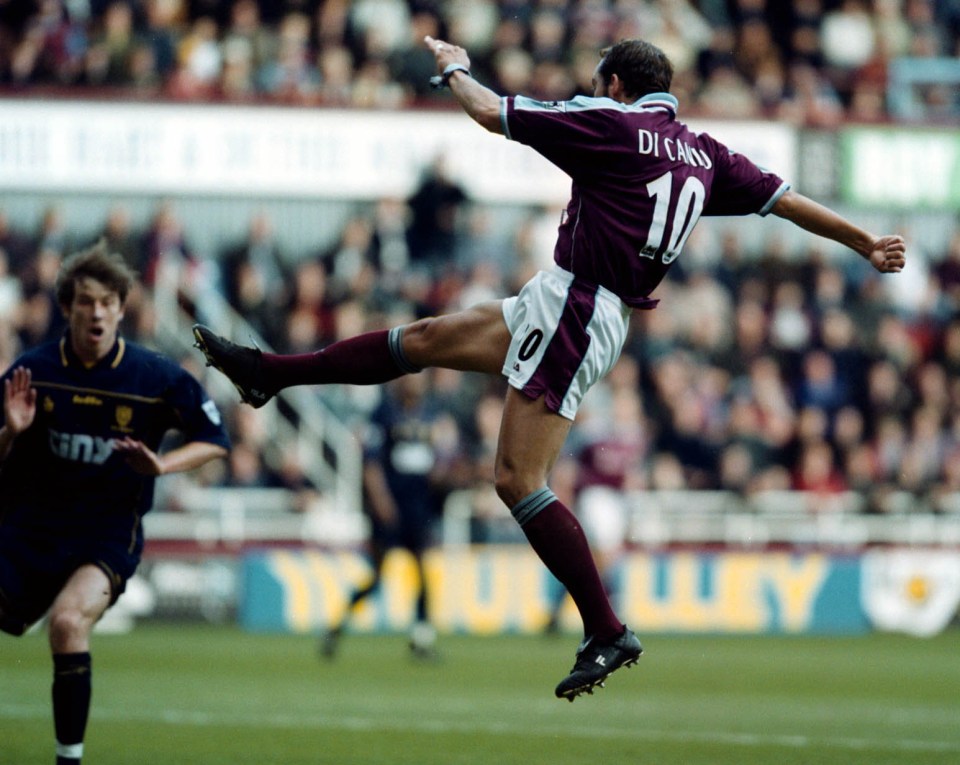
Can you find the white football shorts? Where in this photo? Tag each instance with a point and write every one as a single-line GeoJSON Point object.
{"type": "Point", "coordinates": [567, 334]}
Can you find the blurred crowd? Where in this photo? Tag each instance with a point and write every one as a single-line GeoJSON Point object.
{"type": "Point", "coordinates": [763, 367]}
{"type": "Point", "coordinates": [811, 62]}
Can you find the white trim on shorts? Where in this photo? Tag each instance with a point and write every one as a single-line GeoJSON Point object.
{"type": "Point", "coordinates": [541, 359]}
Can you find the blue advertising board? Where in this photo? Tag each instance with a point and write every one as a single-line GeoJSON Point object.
{"type": "Point", "coordinates": [492, 589]}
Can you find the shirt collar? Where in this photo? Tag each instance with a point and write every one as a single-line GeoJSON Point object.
{"type": "Point", "coordinates": [68, 358]}
{"type": "Point", "coordinates": [665, 101]}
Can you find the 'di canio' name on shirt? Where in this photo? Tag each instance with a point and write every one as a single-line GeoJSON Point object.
{"type": "Point", "coordinates": [676, 151]}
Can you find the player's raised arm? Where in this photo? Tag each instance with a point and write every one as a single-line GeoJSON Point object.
{"type": "Point", "coordinates": [453, 68]}
{"type": "Point", "coordinates": [887, 253]}
{"type": "Point", "coordinates": [19, 408]}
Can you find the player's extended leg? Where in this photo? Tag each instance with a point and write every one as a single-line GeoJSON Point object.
{"type": "Point", "coordinates": [530, 440]}
{"type": "Point", "coordinates": [531, 437]}
{"type": "Point", "coordinates": [77, 608]}
{"type": "Point", "coordinates": [472, 340]}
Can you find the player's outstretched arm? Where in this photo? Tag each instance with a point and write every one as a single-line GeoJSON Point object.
{"type": "Point", "coordinates": [19, 408]}
{"type": "Point", "coordinates": [481, 103]}
{"type": "Point", "coordinates": [887, 253]}
{"type": "Point", "coordinates": [147, 462]}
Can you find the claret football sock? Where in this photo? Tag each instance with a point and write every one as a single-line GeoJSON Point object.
{"type": "Point", "coordinates": [557, 537]}
{"type": "Point", "coordinates": [71, 704]}
{"type": "Point", "coordinates": [368, 359]}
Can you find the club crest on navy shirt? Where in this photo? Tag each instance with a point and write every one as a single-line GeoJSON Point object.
{"type": "Point", "coordinates": [124, 415]}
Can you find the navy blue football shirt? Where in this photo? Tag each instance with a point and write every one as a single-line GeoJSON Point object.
{"type": "Point", "coordinates": [641, 180]}
{"type": "Point", "coordinates": [62, 476]}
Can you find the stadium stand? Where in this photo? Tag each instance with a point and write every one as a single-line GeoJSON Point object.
{"type": "Point", "coordinates": [800, 392]}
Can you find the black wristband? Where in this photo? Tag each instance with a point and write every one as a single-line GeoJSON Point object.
{"type": "Point", "coordinates": [443, 80]}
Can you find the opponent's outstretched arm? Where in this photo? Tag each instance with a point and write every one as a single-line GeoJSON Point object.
{"type": "Point", "coordinates": [478, 101]}
{"type": "Point", "coordinates": [886, 253]}
{"type": "Point", "coordinates": [145, 461]}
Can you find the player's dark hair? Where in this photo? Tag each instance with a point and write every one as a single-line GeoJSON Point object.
{"type": "Point", "coordinates": [642, 68]}
{"type": "Point", "coordinates": [96, 262]}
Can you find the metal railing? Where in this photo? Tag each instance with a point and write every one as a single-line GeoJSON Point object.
{"type": "Point", "coordinates": [327, 448]}
{"type": "Point", "coordinates": [791, 518]}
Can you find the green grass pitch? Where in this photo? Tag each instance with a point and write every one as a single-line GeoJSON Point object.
{"type": "Point", "coordinates": [216, 695]}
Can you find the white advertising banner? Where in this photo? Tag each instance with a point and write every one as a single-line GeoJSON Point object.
{"type": "Point", "coordinates": [287, 152]}
{"type": "Point", "coordinates": [889, 167]}
{"type": "Point", "coordinates": [913, 591]}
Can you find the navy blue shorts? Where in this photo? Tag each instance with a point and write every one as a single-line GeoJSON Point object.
{"type": "Point", "coordinates": [34, 567]}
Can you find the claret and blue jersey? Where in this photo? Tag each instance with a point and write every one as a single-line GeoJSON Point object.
{"type": "Point", "coordinates": [641, 180]}
{"type": "Point", "coordinates": [62, 475]}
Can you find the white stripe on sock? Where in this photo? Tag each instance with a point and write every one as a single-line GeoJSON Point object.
{"type": "Point", "coordinates": [74, 751]}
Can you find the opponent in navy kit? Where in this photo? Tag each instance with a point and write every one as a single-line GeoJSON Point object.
{"type": "Point", "coordinates": [641, 180]}
{"type": "Point", "coordinates": [83, 420]}
{"type": "Point", "coordinates": [399, 461]}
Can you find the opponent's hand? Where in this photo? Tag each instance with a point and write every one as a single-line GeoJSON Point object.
{"type": "Point", "coordinates": [446, 54]}
{"type": "Point", "coordinates": [19, 401]}
{"type": "Point", "coordinates": [888, 254]}
{"type": "Point", "coordinates": [138, 455]}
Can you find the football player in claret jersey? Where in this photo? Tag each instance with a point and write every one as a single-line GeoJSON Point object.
{"type": "Point", "coordinates": [82, 423]}
{"type": "Point", "coordinates": [641, 180]}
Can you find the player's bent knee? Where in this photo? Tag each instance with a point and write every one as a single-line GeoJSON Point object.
{"type": "Point", "coordinates": [418, 338]}
{"type": "Point", "coordinates": [68, 624]}
{"type": "Point", "coordinates": [512, 488]}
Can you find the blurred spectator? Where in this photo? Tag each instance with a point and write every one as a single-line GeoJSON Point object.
{"type": "Point", "coordinates": [112, 46]}
{"type": "Point", "coordinates": [435, 221]}
{"type": "Point", "coordinates": [245, 32]}
{"type": "Point", "coordinates": [335, 65]}
{"type": "Point", "coordinates": [291, 76]}
{"type": "Point", "coordinates": [811, 99]}
{"type": "Point", "coordinates": [817, 471]}
{"type": "Point", "coordinates": [121, 237]}
{"type": "Point", "coordinates": [52, 47]}
{"type": "Point", "coordinates": [16, 244]}
{"type": "Point", "coordinates": [245, 468]}
{"type": "Point", "coordinates": [886, 395]}
{"type": "Point", "coordinates": [308, 318]}
{"type": "Point", "coordinates": [40, 318]}
{"type": "Point", "coordinates": [164, 25]}
{"type": "Point", "coordinates": [164, 237]}
{"type": "Point", "coordinates": [253, 271]}
{"type": "Point", "coordinates": [849, 40]}
{"type": "Point", "coordinates": [727, 94]}
{"type": "Point", "coordinates": [947, 270]}
{"type": "Point", "coordinates": [10, 291]}
{"type": "Point", "coordinates": [167, 260]}
{"type": "Point", "coordinates": [820, 385]}
{"type": "Point", "coordinates": [351, 261]}
{"type": "Point", "coordinates": [374, 89]}
{"type": "Point", "coordinates": [199, 62]}
{"type": "Point", "coordinates": [411, 64]}
{"type": "Point", "coordinates": [52, 233]}
{"type": "Point", "coordinates": [381, 26]}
